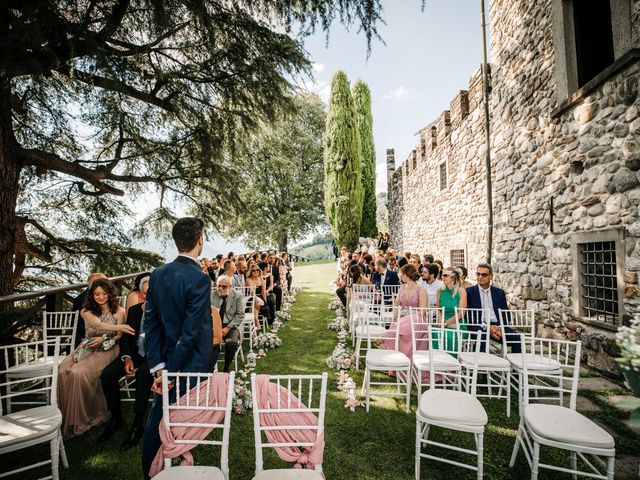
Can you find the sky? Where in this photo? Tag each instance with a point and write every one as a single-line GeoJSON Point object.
{"type": "Point", "coordinates": [426, 58]}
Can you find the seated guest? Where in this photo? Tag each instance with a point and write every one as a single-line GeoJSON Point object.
{"type": "Point", "coordinates": [384, 276]}
{"type": "Point", "coordinates": [267, 278]}
{"type": "Point", "coordinates": [365, 265]}
{"type": "Point", "coordinates": [402, 261]}
{"type": "Point", "coordinates": [451, 296]}
{"type": "Point", "coordinates": [393, 264]}
{"type": "Point", "coordinates": [78, 304]}
{"type": "Point", "coordinates": [80, 396]}
{"type": "Point", "coordinates": [430, 282]}
{"type": "Point", "coordinates": [214, 269]}
{"type": "Point", "coordinates": [131, 359]}
{"type": "Point", "coordinates": [441, 265]}
{"type": "Point", "coordinates": [229, 269]}
{"type": "Point", "coordinates": [254, 279]}
{"type": "Point", "coordinates": [239, 276]}
{"type": "Point", "coordinates": [139, 292]}
{"type": "Point", "coordinates": [465, 273]}
{"type": "Point", "coordinates": [341, 291]}
{"type": "Point", "coordinates": [277, 281]}
{"type": "Point", "coordinates": [230, 305]}
{"type": "Point", "coordinates": [430, 258]}
{"type": "Point", "coordinates": [486, 296]}
{"type": "Point", "coordinates": [287, 265]}
{"type": "Point", "coordinates": [415, 261]}
{"type": "Point", "coordinates": [357, 276]}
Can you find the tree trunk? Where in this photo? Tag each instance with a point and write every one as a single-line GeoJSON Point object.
{"type": "Point", "coordinates": [282, 242]}
{"type": "Point", "coordinates": [9, 187]}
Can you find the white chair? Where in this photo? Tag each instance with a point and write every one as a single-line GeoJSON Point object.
{"type": "Point", "coordinates": [248, 327]}
{"type": "Point", "coordinates": [36, 425]}
{"type": "Point", "coordinates": [560, 427]}
{"type": "Point", "coordinates": [197, 380]}
{"type": "Point", "coordinates": [388, 360]}
{"type": "Point", "coordinates": [495, 368]}
{"type": "Point", "coordinates": [420, 361]}
{"type": "Point", "coordinates": [372, 328]}
{"type": "Point", "coordinates": [302, 388]}
{"type": "Point", "coordinates": [450, 409]}
{"type": "Point", "coordinates": [62, 325]}
{"type": "Point", "coordinates": [360, 297]}
{"type": "Point", "coordinates": [390, 293]}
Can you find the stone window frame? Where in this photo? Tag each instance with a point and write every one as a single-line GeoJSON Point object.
{"type": "Point", "coordinates": [567, 92]}
{"type": "Point", "coordinates": [446, 175]}
{"type": "Point", "coordinates": [458, 248]}
{"type": "Point", "coordinates": [611, 235]}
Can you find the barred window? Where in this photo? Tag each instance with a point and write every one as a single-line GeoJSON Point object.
{"type": "Point", "coordinates": [598, 281]}
{"type": "Point", "coordinates": [443, 175]}
{"type": "Point", "coordinates": [457, 258]}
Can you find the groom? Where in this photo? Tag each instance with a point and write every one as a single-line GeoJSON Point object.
{"type": "Point", "coordinates": [177, 323]}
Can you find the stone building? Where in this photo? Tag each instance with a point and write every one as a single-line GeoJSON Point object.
{"type": "Point", "coordinates": [565, 146]}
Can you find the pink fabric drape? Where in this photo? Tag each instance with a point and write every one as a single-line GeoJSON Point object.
{"type": "Point", "coordinates": [169, 448]}
{"type": "Point", "coordinates": [267, 392]}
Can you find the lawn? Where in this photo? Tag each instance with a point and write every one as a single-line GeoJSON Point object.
{"type": "Point", "coordinates": [359, 446]}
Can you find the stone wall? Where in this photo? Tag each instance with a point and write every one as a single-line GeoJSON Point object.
{"type": "Point", "coordinates": [585, 158]}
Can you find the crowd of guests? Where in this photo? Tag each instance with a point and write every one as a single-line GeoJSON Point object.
{"type": "Point", "coordinates": [110, 341]}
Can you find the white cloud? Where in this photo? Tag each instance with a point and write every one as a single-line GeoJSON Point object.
{"type": "Point", "coordinates": [318, 67]}
{"type": "Point", "coordinates": [321, 87]}
{"type": "Point", "coordinates": [399, 93]}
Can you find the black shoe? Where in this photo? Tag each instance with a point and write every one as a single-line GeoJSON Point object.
{"type": "Point", "coordinates": [133, 437]}
{"type": "Point", "coordinates": [112, 427]}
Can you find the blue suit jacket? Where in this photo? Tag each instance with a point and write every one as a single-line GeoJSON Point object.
{"type": "Point", "coordinates": [498, 298]}
{"type": "Point", "coordinates": [390, 279]}
{"type": "Point", "coordinates": [177, 321]}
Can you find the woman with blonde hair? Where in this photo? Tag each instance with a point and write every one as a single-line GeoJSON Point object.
{"type": "Point", "coordinates": [450, 296]}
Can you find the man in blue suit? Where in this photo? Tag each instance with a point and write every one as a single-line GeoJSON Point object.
{"type": "Point", "coordinates": [384, 276]}
{"type": "Point", "coordinates": [486, 296]}
{"type": "Point", "coordinates": [177, 326]}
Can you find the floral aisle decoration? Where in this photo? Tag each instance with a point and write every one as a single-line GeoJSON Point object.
{"type": "Point", "coordinates": [267, 341]}
{"type": "Point", "coordinates": [242, 397]}
{"type": "Point", "coordinates": [339, 323]}
{"type": "Point", "coordinates": [335, 304]}
{"type": "Point", "coordinates": [348, 385]}
{"type": "Point", "coordinates": [275, 326]}
{"type": "Point", "coordinates": [283, 316]}
{"type": "Point", "coordinates": [342, 358]}
{"type": "Point", "coordinates": [628, 339]}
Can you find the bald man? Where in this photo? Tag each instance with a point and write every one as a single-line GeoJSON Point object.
{"type": "Point", "coordinates": [78, 304]}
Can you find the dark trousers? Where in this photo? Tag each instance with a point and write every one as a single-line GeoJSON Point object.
{"type": "Point", "coordinates": [513, 337]}
{"type": "Point", "coordinates": [271, 304]}
{"type": "Point", "coordinates": [342, 295]}
{"type": "Point", "coordinates": [289, 281]}
{"type": "Point", "coordinates": [110, 386]}
{"type": "Point", "coordinates": [231, 342]}
{"type": "Point", "coordinates": [277, 291]}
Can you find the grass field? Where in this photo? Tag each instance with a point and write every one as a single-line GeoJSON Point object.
{"type": "Point", "coordinates": [359, 446]}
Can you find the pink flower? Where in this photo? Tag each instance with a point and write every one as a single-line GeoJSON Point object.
{"type": "Point", "coordinates": [347, 361]}
{"type": "Point", "coordinates": [237, 410]}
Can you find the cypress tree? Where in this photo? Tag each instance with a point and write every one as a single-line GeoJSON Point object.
{"type": "Point", "coordinates": [362, 102]}
{"type": "Point", "coordinates": [342, 165]}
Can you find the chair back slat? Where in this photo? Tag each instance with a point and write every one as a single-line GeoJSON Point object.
{"type": "Point", "coordinates": [521, 321]}
{"type": "Point", "coordinates": [445, 346]}
{"type": "Point", "coordinates": [390, 293]}
{"type": "Point", "coordinates": [62, 325]}
{"type": "Point", "coordinates": [421, 318]}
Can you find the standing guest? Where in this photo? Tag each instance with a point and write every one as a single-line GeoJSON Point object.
{"type": "Point", "coordinates": [267, 278]}
{"type": "Point", "coordinates": [372, 247]}
{"type": "Point", "coordinates": [78, 304]}
{"type": "Point", "coordinates": [177, 324]}
{"type": "Point", "coordinates": [287, 265]}
{"type": "Point", "coordinates": [139, 292]}
{"type": "Point", "coordinates": [430, 282]}
{"type": "Point", "coordinates": [465, 273]}
{"type": "Point", "coordinates": [490, 298]}
{"type": "Point", "coordinates": [241, 272]}
{"type": "Point", "coordinates": [131, 359]}
{"type": "Point", "coordinates": [80, 396]}
{"type": "Point", "coordinates": [230, 305]}
{"type": "Point", "coordinates": [275, 273]}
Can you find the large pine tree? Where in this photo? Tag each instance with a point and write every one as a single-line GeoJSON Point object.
{"type": "Point", "coordinates": [342, 165]}
{"type": "Point", "coordinates": [362, 102]}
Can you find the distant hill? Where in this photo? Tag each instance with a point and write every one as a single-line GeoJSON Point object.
{"type": "Point", "coordinates": [319, 248]}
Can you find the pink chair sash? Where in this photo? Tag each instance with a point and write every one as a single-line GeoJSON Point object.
{"type": "Point", "coordinates": [169, 448]}
{"type": "Point", "coordinates": [269, 392]}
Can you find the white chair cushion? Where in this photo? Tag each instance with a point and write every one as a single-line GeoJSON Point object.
{"type": "Point", "coordinates": [376, 330]}
{"type": "Point", "coordinates": [452, 406]}
{"type": "Point", "coordinates": [289, 474]}
{"type": "Point", "coordinates": [537, 363]}
{"type": "Point", "coordinates": [562, 424]}
{"type": "Point", "coordinates": [386, 359]}
{"type": "Point", "coordinates": [485, 360]}
{"type": "Point", "coordinates": [191, 473]}
{"type": "Point", "coordinates": [443, 360]}
{"type": "Point", "coordinates": [28, 425]}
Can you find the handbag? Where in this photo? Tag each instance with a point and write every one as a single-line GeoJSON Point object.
{"type": "Point", "coordinates": [82, 351]}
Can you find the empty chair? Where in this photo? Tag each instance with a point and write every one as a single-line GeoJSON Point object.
{"type": "Point", "coordinates": [248, 327]}
{"type": "Point", "coordinates": [36, 425]}
{"type": "Point", "coordinates": [373, 326]}
{"type": "Point", "coordinates": [495, 368]}
{"type": "Point", "coordinates": [556, 426]}
{"type": "Point", "coordinates": [289, 410]}
{"type": "Point", "coordinates": [197, 411]}
{"type": "Point", "coordinates": [420, 359]}
{"type": "Point", "coordinates": [361, 296]}
{"type": "Point", "coordinates": [450, 409]}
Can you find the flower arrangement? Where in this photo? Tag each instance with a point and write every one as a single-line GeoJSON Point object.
{"type": "Point", "coordinates": [345, 381]}
{"type": "Point", "coordinates": [275, 326]}
{"type": "Point", "coordinates": [242, 398]}
{"type": "Point", "coordinates": [283, 316]}
{"type": "Point", "coordinates": [340, 323]}
{"type": "Point", "coordinates": [342, 358]}
{"type": "Point", "coordinates": [267, 341]}
{"type": "Point", "coordinates": [335, 304]}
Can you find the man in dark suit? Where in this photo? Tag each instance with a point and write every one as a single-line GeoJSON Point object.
{"type": "Point", "coordinates": [132, 358]}
{"type": "Point", "coordinates": [78, 305]}
{"type": "Point", "coordinates": [384, 276]}
{"type": "Point", "coordinates": [231, 305]}
{"type": "Point", "coordinates": [287, 264]}
{"type": "Point", "coordinates": [275, 273]}
{"type": "Point", "coordinates": [177, 323]}
{"type": "Point", "coordinates": [490, 298]}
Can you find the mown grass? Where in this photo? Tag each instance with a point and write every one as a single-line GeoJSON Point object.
{"type": "Point", "coordinates": [359, 445]}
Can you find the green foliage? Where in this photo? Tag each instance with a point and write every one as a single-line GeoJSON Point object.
{"type": "Point", "coordinates": [382, 213]}
{"type": "Point", "coordinates": [280, 178]}
{"type": "Point", "coordinates": [362, 102]}
{"type": "Point", "coordinates": [343, 192]}
{"type": "Point", "coordinates": [318, 248]}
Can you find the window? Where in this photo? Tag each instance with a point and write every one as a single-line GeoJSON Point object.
{"type": "Point", "coordinates": [593, 38]}
{"type": "Point", "coordinates": [443, 175]}
{"type": "Point", "coordinates": [457, 258]}
{"type": "Point", "coordinates": [598, 277]}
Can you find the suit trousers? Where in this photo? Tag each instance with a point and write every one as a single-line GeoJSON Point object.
{"type": "Point", "coordinates": [277, 291]}
{"type": "Point", "coordinates": [513, 337]}
{"type": "Point", "coordinates": [231, 342]}
{"type": "Point", "coordinates": [342, 295]}
{"type": "Point", "coordinates": [110, 378]}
